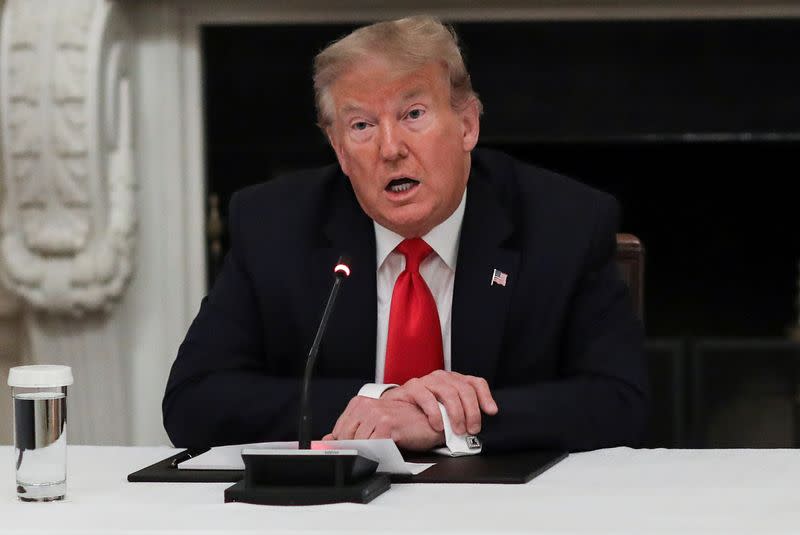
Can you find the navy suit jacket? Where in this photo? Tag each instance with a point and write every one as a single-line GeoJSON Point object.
{"type": "Point", "coordinates": [559, 344]}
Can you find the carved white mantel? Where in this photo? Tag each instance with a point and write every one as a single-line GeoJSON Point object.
{"type": "Point", "coordinates": [102, 181]}
{"type": "Point", "coordinates": [67, 215]}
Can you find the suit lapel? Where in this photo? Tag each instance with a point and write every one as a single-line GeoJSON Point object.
{"type": "Point", "coordinates": [348, 349]}
{"type": "Point", "coordinates": [480, 308]}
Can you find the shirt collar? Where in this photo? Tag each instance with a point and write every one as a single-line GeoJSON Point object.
{"type": "Point", "coordinates": [443, 238]}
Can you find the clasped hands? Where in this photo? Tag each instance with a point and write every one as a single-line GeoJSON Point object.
{"type": "Point", "coordinates": [409, 414]}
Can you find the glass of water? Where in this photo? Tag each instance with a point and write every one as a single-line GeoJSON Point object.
{"type": "Point", "coordinates": [40, 430]}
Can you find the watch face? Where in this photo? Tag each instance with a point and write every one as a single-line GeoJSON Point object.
{"type": "Point", "coordinates": [473, 442]}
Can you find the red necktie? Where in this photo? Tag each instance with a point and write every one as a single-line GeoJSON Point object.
{"type": "Point", "coordinates": [414, 347]}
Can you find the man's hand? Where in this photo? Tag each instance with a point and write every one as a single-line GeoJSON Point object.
{"type": "Point", "coordinates": [463, 396]}
{"type": "Point", "coordinates": [403, 422]}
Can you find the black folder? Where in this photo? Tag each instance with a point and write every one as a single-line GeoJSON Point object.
{"type": "Point", "coordinates": [517, 467]}
{"type": "Point", "coordinates": [167, 471]}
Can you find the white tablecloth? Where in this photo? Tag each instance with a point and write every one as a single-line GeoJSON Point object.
{"type": "Point", "coordinates": [617, 491]}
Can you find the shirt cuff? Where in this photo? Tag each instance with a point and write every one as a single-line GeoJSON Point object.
{"type": "Point", "coordinates": [374, 390]}
{"type": "Point", "coordinates": [457, 445]}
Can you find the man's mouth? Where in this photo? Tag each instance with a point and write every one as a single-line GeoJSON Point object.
{"type": "Point", "coordinates": [399, 185]}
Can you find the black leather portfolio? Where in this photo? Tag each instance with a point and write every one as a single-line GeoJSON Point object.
{"type": "Point", "coordinates": [518, 467]}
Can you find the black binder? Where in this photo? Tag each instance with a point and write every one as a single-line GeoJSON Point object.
{"type": "Point", "coordinates": [507, 468]}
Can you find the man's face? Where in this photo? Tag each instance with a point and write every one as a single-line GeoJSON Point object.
{"type": "Point", "coordinates": [404, 148]}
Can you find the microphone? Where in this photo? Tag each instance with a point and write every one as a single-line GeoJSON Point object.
{"type": "Point", "coordinates": [341, 271]}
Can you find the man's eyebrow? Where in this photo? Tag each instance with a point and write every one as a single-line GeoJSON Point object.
{"type": "Point", "coordinates": [350, 108]}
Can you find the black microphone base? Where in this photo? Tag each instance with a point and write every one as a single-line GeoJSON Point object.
{"type": "Point", "coordinates": [363, 491]}
{"type": "Point", "coordinates": [307, 477]}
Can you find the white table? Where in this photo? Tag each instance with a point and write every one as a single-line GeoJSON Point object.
{"type": "Point", "coordinates": [609, 491]}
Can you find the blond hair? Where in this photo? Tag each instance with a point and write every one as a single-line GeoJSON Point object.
{"type": "Point", "coordinates": [408, 43]}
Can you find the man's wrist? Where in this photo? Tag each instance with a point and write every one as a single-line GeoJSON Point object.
{"type": "Point", "coordinates": [453, 444]}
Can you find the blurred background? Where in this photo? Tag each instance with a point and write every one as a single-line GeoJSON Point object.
{"type": "Point", "coordinates": [126, 127]}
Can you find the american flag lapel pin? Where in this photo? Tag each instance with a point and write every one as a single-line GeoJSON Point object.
{"type": "Point", "coordinates": [498, 277]}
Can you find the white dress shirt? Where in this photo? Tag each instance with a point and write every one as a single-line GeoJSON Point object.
{"type": "Point", "coordinates": [439, 272]}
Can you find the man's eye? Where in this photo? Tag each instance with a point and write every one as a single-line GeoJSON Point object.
{"type": "Point", "coordinates": [416, 113]}
{"type": "Point", "coordinates": [360, 125]}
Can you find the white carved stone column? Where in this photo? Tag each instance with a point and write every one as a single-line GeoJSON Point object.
{"type": "Point", "coordinates": [68, 213]}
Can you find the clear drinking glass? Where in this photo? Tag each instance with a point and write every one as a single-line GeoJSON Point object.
{"type": "Point", "coordinates": [40, 430]}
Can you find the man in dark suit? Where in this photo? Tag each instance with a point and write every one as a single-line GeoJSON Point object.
{"type": "Point", "coordinates": [485, 303]}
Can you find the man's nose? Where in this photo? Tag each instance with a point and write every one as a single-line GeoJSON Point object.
{"type": "Point", "coordinates": [392, 143]}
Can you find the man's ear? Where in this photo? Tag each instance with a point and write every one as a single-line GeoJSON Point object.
{"type": "Point", "coordinates": [471, 123]}
{"type": "Point", "coordinates": [337, 148]}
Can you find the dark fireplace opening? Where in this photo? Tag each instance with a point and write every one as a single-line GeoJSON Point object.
{"type": "Point", "coordinates": [692, 125]}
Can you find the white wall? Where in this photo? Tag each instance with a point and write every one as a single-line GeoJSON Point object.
{"type": "Point", "coordinates": [10, 355]}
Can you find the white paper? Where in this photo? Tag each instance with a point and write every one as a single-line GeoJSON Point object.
{"type": "Point", "coordinates": [383, 450]}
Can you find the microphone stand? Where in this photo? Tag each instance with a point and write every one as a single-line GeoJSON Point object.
{"type": "Point", "coordinates": [304, 431]}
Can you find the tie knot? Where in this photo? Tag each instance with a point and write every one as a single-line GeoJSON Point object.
{"type": "Point", "coordinates": [415, 250]}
